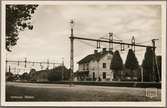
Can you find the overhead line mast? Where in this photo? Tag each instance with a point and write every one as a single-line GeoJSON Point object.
{"type": "Point", "coordinates": [71, 50]}
{"type": "Point", "coordinates": [114, 42]}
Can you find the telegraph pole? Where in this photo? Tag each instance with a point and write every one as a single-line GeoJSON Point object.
{"type": "Point", "coordinates": [9, 69]}
{"type": "Point", "coordinates": [25, 65]}
{"type": "Point", "coordinates": [62, 69]}
{"type": "Point", "coordinates": [47, 64]}
{"type": "Point", "coordinates": [133, 43]}
{"type": "Point", "coordinates": [110, 40]}
{"type": "Point", "coordinates": [71, 51]}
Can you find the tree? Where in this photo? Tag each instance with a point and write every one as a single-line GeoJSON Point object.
{"type": "Point", "coordinates": [57, 73]}
{"type": "Point", "coordinates": [148, 65]}
{"type": "Point", "coordinates": [9, 76]}
{"type": "Point", "coordinates": [131, 62]}
{"type": "Point", "coordinates": [18, 18]}
{"type": "Point", "coordinates": [116, 65]}
{"type": "Point", "coordinates": [32, 74]}
{"type": "Point", "coordinates": [158, 67]}
{"type": "Point", "coordinates": [25, 76]}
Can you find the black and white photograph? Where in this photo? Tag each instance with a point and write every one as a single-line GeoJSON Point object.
{"type": "Point", "coordinates": [83, 53]}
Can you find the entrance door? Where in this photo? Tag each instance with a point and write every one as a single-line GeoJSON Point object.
{"type": "Point", "coordinates": [93, 76]}
{"type": "Point", "coordinates": [104, 75]}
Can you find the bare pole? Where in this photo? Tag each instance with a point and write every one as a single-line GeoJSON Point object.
{"type": "Point", "coordinates": [71, 51]}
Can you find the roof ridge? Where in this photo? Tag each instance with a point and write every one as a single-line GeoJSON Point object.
{"type": "Point", "coordinates": [95, 56]}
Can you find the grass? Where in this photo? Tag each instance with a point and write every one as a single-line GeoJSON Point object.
{"type": "Point", "coordinates": [60, 92]}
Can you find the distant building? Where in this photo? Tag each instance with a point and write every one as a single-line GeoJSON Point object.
{"type": "Point", "coordinates": [39, 76]}
{"type": "Point", "coordinates": [55, 74]}
{"type": "Point", "coordinates": [96, 66]}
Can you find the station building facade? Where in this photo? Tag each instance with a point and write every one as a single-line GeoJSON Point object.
{"type": "Point", "coordinates": [96, 66]}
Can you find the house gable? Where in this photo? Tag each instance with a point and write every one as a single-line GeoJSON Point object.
{"type": "Point", "coordinates": [94, 57]}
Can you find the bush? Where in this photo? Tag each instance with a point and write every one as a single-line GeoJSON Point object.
{"type": "Point", "coordinates": [9, 76]}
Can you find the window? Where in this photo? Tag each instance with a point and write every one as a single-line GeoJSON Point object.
{"type": "Point", "coordinates": [87, 66]}
{"type": "Point", "coordinates": [93, 68]}
{"type": "Point", "coordinates": [104, 65]}
{"type": "Point", "coordinates": [83, 66]}
{"type": "Point", "coordinates": [104, 75]}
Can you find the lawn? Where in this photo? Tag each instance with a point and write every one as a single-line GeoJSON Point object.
{"type": "Point", "coordinates": [61, 92]}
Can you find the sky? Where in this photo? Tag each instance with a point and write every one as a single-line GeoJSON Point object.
{"type": "Point", "coordinates": [50, 37]}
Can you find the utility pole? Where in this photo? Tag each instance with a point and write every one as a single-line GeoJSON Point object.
{"type": "Point", "coordinates": [41, 66]}
{"type": "Point", "coordinates": [25, 65]}
{"type": "Point", "coordinates": [133, 43]}
{"type": "Point", "coordinates": [62, 69]}
{"type": "Point", "coordinates": [110, 41]}
{"type": "Point", "coordinates": [141, 74]}
{"type": "Point", "coordinates": [71, 51]}
{"type": "Point", "coordinates": [18, 63]}
{"type": "Point", "coordinates": [98, 44]}
{"type": "Point", "coordinates": [122, 46]}
{"type": "Point", "coordinates": [9, 69]}
{"type": "Point", "coordinates": [33, 63]}
{"type": "Point", "coordinates": [47, 64]}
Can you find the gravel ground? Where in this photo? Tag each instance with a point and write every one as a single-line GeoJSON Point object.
{"type": "Point", "coordinates": [61, 92]}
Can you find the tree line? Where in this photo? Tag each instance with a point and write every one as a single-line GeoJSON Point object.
{"type": "Point", "coordinates": [132, 64]}
{"type": "Point", "coordinates": [56, 74]}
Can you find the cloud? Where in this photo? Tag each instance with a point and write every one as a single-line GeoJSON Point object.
{"type": "Point", "coordinates": [50, 36]}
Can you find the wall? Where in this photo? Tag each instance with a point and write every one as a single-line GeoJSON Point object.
{"type": "Point", "coordinates": [97, 67]}
{"type": "Point", "coordinates": [84, 67]}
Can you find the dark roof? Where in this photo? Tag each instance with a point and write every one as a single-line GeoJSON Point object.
{"type": "Point", "coordinates": [95, 56]}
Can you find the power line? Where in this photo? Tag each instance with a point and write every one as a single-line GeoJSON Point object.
{"type": "Point", "coordinates": [86, 43]}
{"type": "Point", "coordinates": [116, 37]}
{"type": "Point", "coordinates": [104, 41]}
{"type": "Point", "coordinates": [143, 42]}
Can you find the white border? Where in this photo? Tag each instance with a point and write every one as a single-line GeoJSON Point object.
{"type": "Point", "coordinates": [130, 104]}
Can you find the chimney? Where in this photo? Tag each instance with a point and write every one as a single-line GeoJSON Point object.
{"type": "Point", "coordinates": [104, 50]}
{"type": "Point", "coordinates": [95, 51]}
